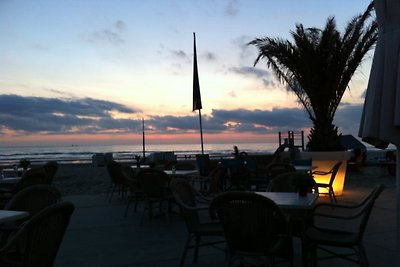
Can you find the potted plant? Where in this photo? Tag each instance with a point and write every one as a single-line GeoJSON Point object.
{"type": "Point", "coordinates": [317, 67]}
{"type": "Point", "coordinates": [303, 183]}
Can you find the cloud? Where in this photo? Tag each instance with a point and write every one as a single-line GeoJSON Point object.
{"type": "Point", "coordinates": [179, 54]}
{"type": "Point", "coordinates": [39, 115]}
{"type": "Point", "coordinates": [348, 118]}
{"type": "Point", "coordinates": [111, 35]}
{"type": "Point", "coordinates": [231, 8]}
{"type": "Point", "coordinates": [259, 73]}
{"type": "Point", "coordinates": [55, 115]}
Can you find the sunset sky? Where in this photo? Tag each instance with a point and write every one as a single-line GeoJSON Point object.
{"type": "Point", "coordinates": [88, 71]}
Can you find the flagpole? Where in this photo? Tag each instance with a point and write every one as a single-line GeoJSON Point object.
{"type": "Point", "coordinates": [143, 141]}
{"type": "Point", "coordinates": [201, 133]}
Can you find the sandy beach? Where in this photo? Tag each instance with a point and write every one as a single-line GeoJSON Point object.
{"type": "Point", "coordinates": [86, 179]}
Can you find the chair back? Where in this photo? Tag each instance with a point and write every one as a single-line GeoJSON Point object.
{"type": "Point", "coordinates": [34, 198]}
{"type": "Point", "coordinates": [185, 195]}
{"type": "Point", "coordinates": [114, 171]}
{"type": "Point", "coordinates": [216, 179]}
{"type": "Point", "coordinates": [154, 183]}
{"type": "Point", "coordinates": [274, 169]}
{"type": "Point", "coordinates": [51, 168]}
{"type": "Point", "coordinates": [292, 182]}
{"type": "Point", "coordinates": [40, 237]}
{"type": "Point", "coordinates": [351, 219]}
{"type": "Point", "coordinates": [31, 177]}
{"type": "Point", "coordinates": [334, 171]}
{"type": "Point", "coordinates": [203, 164]}
{"type": "Point", "coordinates": [251, 223]}
{"type": "Point", "coordinates": [365, 209]}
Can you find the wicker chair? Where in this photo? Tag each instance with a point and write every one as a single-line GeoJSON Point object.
{"type": "Point", "coordinates": [129, 179]}
{"type": "Point", "coordinates": [32, 199]}
{"type": "Point", "coordinates": [213, 183]}
{"type": "Point", "coordinates": [191, 202]}
{"type": "Point", "coordinates": [292, 182]}
{"type": "Point", "coordinates": [329, 185]}
{"type": "Point", "coordinates": [273, 170]}
{"type": "Point", "coordinates": [341, 226]}
{"type": "Point", "coordinates": [155, 187]}
{"type": "Point", "coordinates": [118, 184]}
{"type": "Point", "coordinates": [31, 177]}
{"type": "Point", "coordinates": [37, 242]}
{"type": "Point", "coordinates": [254, 227]}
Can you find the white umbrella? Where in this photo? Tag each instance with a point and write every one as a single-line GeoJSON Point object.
{"type": "Point", "coordinates": [380, 122]}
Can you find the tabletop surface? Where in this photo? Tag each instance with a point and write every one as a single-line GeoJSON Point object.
{"type": "Point", "coordinates": [291, 200]}
{"type": "Point", "coordinates": [12, 215]}
{"type": "Point", "coordinates": [181, 172]}
{"type": "Point", "coordinates": [305, 167]}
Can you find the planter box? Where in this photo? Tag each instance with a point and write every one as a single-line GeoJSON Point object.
{"type": "Point", "coordinates": [324, 162]}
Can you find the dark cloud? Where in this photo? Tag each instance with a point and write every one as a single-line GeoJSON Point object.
{"type": "Point", "coordinates": [38, 115]}
{"type": "Point", "coordinates": [111, 35]}
{"type": "Point", "coordinates": [278, 119]}
{"type": "Point", "coordinates": [179, 54]}
{"type": "Point", "coordinates": [231, 8]}
{"type": "Point", "coordinates": [259, 73]}
{"type": "Point", "coordinates": [348, 118]}
{"type": "Point", "coordinates": [54, 115]}
{"type": "Point", "coordinates": [210, 56]}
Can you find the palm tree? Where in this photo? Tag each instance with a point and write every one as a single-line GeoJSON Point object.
{"type": "Point", "coordinates": [318, 66]}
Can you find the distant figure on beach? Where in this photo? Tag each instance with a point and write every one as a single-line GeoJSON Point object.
{"type": "Point", "coordinates": [237, 153]}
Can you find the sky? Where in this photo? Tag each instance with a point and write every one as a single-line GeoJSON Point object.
{"type": "Point", "coordinates": [89, 71]}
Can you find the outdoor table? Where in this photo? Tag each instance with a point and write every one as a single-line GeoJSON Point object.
{"type": "Point", "coordinates": [180, 173]}
{"type": "Point", "coordinates": [296, 207]}
{"type": "Point", "coordinates": [12, 215]}
{"type": "Point", "coordinates": [290, 200]}
{"type": "Point", "coordinates": [12, 172]}
{"type": "Point", "coordinates": [9, 180]}
{"type": "Point", "coordinates": [305, 168]}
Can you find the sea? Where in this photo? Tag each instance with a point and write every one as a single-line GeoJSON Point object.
{"type": "Point", "coordinates": [83, 153]}
{"type": "Point", "coordinates": [11, 155]}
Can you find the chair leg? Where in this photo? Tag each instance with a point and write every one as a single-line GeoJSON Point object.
{"type": "Point", "coordinates": [112, 189]}
{"type": "Point", "coordinates": [185, 249]}
{"type": "Point", "coordinates": [332, 195]}
{"type": "Point", "coordinates": [362, 256]}
{"type": "Point", "coordinates": [127, 207]}
{"type": "Point", "coordinates": [196, 248]}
